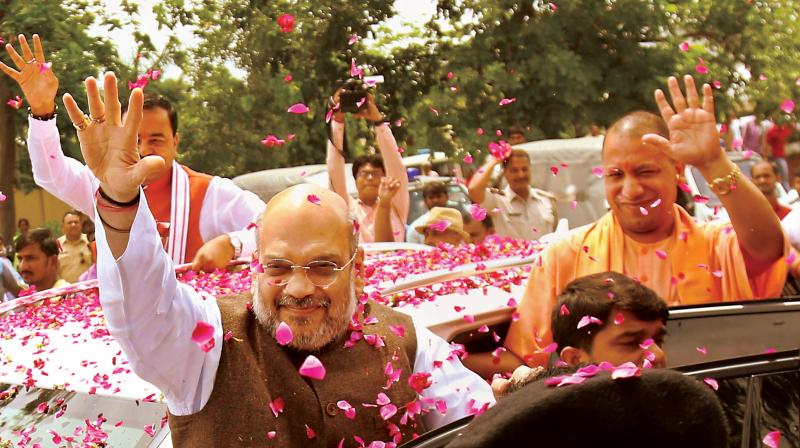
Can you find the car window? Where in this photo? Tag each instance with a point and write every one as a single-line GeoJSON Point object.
{"type": "Point", "coordinates": [121, 423]}
{"type": "Point", "coordinates": [756, 405]}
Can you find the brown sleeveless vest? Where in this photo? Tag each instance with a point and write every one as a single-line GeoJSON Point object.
{"type": "Point", "coordinates": [159, 198]}
{"type": "Point", "coordinates": [254, 371]}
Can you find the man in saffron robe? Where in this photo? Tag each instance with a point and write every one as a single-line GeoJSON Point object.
{"type": "Point", "coordinates": [649, 238]}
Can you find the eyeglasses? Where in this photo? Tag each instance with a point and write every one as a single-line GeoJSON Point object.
{"type": "Point", "coordinates": [321, 273]}
{"type": "Point", "coordinates": [366, 173]}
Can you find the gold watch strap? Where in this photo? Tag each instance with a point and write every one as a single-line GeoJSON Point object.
{"type": "Point", "coordinates": [725, 184]}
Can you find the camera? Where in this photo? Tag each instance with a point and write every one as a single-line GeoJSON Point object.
{"type": "Point", "coordinates": [353, 97]}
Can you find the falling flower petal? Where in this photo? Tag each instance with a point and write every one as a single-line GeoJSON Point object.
{"type": "Point", "coordinates": [355, 71]}
{"type": "Point", "coordinates": [283, 334]}
{"type": "Point", "coordinates": [312, 198]}
{"type": "Point", "coordinates": [468, 158]}
{"type": "Point", "coordinates": [598, 171]}
{"type": "Point", "coordinates": [15, 102]}
{"type": "Point", "coordinates": [477, 212]}
{"type": "Point", "coordinates": [762, 77]}
{"type": "Point", "coordinates": [399, 330]}
{"type": "Point", "coordinates": [712, 383]}
{"type": "Point", "coordinates": [787, 106]}
{"type": "Point", "coordinates": [619, 319]}
{"type": "Point", "coordinates": [656, 203]}
{"type": "Point", "coordinates": [500, 150]}
{"type": "Point", "coordinates": [627, 370]}
{"type": "Point", "coordinates": [299, 108]}
{"type": "Point", "coordinates": [288, 78]}
{"type": "Point", "coordinates": [507, 101]}
{"type": "Point", "coordinates": [310, 433]}
{"type": "Point", "coordinates": [647, 343]}
{"type": "Point", "coordinates": [271, 140]}
{"type": "Point", "coordinates": [564, 311]}
{"type": "Point", "coordinates": [685, 187]}
{"type": "Point", "coordinates": [773, 439]}
{"type": "Point", "coordinates": [286, 23]}
{"type": "Point", "coordinates": [790, 259]}
{"type": "Point", "coordinates": [702, 69]}
{"type": "Point", "coordinates": [716, 83]}
{"type": "Point", "coordinates": [661, 254]}
{"type": "Point", "coordinates": [203, 336]}
{"type": "Point", "coordinates": [554, 170]}
{"type": "Point", "coordinates": [2, 197]}
{"type": "Point", "coordinates": [45, 66]}
{"type": "Point", "coordinates": [483, 329]}
{"type": "Point", "coordinates": [420, 381]}
{"type": "Point", "coordinates": [150, 430]}
{"type": "Point", "coordinates": [549, 349]}
{"type": "Point", "coordinates": [276, 406]}
{"type": "Point", "coordinates": [702, 350]}
{"type": "Point", "coordinates": [388, 411]}
{"type": "Point", "coordinates": [479, 131]}
{"type": "Point", "coordinates": [271, 434]}
{"type": "Point", "coordinates": [643, 211]}
{"type": "Point", "coordinates": [684, 46]}
{"type": "Point", "coordinates": [586, 320]}
{"type": "Point", "coordinates": [312, 368]}
{"type": "Point", "coordinates": [353, 39]}
{"type": "Point", "coordinates": [440, 225]}
{"type": "Point", "coordinates": [42, 408]}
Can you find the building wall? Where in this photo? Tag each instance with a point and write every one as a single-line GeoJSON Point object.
{"type": "Point", "coordinates": [39, 207]}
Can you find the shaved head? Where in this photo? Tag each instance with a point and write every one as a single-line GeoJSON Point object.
{"type": "Point", "coordinates": [764, 164]}
{"type": "Point", "coordinates": [636, 124]}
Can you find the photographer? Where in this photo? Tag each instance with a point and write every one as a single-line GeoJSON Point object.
{"type": "Point", "coordinates": [368, 170]}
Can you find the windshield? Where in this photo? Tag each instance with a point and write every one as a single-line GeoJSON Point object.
{"type": "Point", "coordinates": [456, 198]}
{"type": "Point", "coordinates": [43, 416]}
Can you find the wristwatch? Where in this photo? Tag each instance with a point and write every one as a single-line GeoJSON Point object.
{"type": "Point", "coordinates": [237, 245]}
{"type": "Point", "coordinates": [724, 185]}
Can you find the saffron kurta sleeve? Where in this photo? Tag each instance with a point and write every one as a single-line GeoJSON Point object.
{"type": "Point", "coordinates": [152, 316]}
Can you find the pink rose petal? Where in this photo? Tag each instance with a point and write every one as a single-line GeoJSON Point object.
{"type": "Point", "coordinates": [483, 329]}
{"type": "Point", "coordinates": [440, 225]}
{"type": "Point", "coordinates": [773, 439]}
{"type": "Point", "coordinates": [312, 198]}
{"type": "Point", "coordinates": [477, 212]}
{"type": "Point", "coordinates": [203, 336]}
{"type": "Point", "coordinates": [684, 46]}
{"type": "Point", "coordinates": [643, 211]}
{"type": "Point", "coordinates": [512, 302]}
{"type": "Point", "coordinates": [276, 406]}
{"type": "Point", "coordinates": [619, 319]}
{"type": "Point", "coordinates": [702, 69]}
{"type": "Point", "coordinates": [283, 334]}
{"type": "Point", "coordinates": [507, 101]}
{"type": "Point", "coordinates": [787, 106]}
{"type": "Point", "coordinates": [716, 83]}
{"type": "Point", "coordinates": [310, 433]}
{"type": "Point", "coordinates": [468, 158]}
{"type": "Point", "coordinates": [299, 108]}
{"type": "Point", "coordinates": [353, 39]}
{"type": "Point", "coordinates": [271, 434]}
{"type": "Point", "coordinates": [2, 197]}
{"type": "Point", "coordinates": [598, 171]}
{"type": "Point", "coordinates": [586, 320]}
{"type": "Point", "coordinates": [702, 350]}
{"type": "Point", "coordinates": [661, 254]}
{"type": "Point", "coordinates": [549, 349]}
{"type": "Point", "coordinates": [286, 23]}
{"type": "Point", "coordinates": [45, 66]}
{"type": "Point", "coordinates": [554, 170]}
{"type": "Point", "coordinates": [312, 368]}
{"type": "Point", "coordinates": [790, 259]}
{"type": "Point", "coordinates": [627, 370]}
{"type": "Point", "coordinates": [150, 430]}
{"type": "Point", "coordinates": [711, 383]}
{"type": "Point", "coordinates": [647, 343]}
{"type": "Point", "coordinates": [563, 311]}
{"type": "Point", "coordinates": [655, 203]}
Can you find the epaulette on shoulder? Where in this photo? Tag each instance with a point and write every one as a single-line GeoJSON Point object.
{"type": "Point", "coordinates": [499, 191]}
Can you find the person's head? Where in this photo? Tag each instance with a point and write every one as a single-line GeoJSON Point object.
{"type": "Point", "coordinates": [38, 258]}
{"type": "Point", "coordinates": [23, 225]}
{"type": "Point", "coordinates": [638, 175]}
{"type": "Point", "coordinates": [517, 171]}
{"type": "Point", "coordinates": [478, 230]}
{"type": "Point", "coordinates": [158, 132]}
{"type": "Point", "coordinates": [630, 313]}
{"type": "Point", "coordinates": [435, 194]}
{"type": "Point", "coordinates": [72, 225]}
{"type": "Point", "coordinates": [317, 303]}
{"type": "Point", "coordinates": [765, 177]}
{"type": "Point", "coordinates": [444, 225]}
{"type": "Point", "coordinates": [594, 130]}
{"type": "Point", "coordinates": [515, 136]}
{"type": "Point", "coordinates": [368, 171]}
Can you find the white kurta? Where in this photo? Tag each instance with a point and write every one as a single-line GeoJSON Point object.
{"type": "Point", "coordinates": [226, 207]}
{"type": "Point", "coordinates": [152, 317]}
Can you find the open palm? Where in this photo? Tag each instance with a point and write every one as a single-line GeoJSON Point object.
{"type": "Point", "coordinates": [108, 145]}
{"type": "Point", "coordinates": [693, 136]}
{"type": "Point", "coordinates": [38, 83]}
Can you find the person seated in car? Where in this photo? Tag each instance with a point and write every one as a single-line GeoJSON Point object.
{"type": "Point", "coordinates": [765, 178]}
{"type": "Point", "coordinates": [478, 230]}
{"type": "Point", "coordinates": [434, 194]}
{"type": "Point", "coordinates": [38, 259]}
{"type": "Point", "coordinates": [629, 325]}
{"type": "Point", "coordinates": [646, 236]}
{"type": "Point", "coordinates": [368, 170]}
{"type": "Point", "coordinates": [444, 225]}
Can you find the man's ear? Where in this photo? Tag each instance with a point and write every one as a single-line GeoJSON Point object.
{"type": "Point", "coordinates": [574, 356]}
{"type": "Point", "coordinates": [177, 138]}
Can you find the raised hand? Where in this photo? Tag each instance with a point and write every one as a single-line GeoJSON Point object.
{"type": "Point", "coordinates": [38, 83]}
{"type": "Point", "coordinates": [370, 112]}
{"type": "Point", "coordinates": [387, 190]}
{"type": "Point", "coordinates": [109, 146]}
{"type": "Point", "coordinates": [693, 136]}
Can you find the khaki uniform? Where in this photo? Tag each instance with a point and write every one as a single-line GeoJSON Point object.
{"type": "Point", "coordinates": [521, 218]}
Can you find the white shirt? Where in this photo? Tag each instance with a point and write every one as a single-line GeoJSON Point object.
{"type": "Point", "coordinates": [523, 218]}
{"type": "Point", "coordinates": [412, 236]}
{"type": "Point", "coordinates": [152, 315]}
{"type": "Point", "coordinates": [226, 207]}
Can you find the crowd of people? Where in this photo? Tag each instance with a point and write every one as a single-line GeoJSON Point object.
{"type": "Point", "coordinates": [153, 213]}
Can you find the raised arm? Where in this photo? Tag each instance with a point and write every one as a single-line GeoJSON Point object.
{"type": "Point", "coordinates": [148, 312]}
{"type": "Point", "coordinates": [383, 215]}
{"type": "Point", "coordinates": [694, 141]}
{"type": "Point", "coordinates": [480, 181]}
{"type": "Point", "coordinates": [65, 178]}
{"type": "Point", "coordinates": [335, 153]}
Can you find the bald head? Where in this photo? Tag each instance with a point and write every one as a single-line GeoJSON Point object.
{"type": "Point", "coordinates": [308, 206]}
{"type": "Point", "coordinates": [636, 124]}
{"type": "Point", "coordinates": [763, 165]}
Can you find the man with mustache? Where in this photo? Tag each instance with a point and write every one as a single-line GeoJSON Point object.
{"type": "Point", "coordinates": [647, 237]}
{"type": "Point", "coordinates": [38, 259]}
{"type": "Point", "coordinates": [310, 362]}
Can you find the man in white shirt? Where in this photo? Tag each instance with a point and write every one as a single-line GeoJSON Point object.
{"type": "Point", "coordinates": [220, 394]}
{"type": "Point", "coordinates": [522, 211]}
{"type": "Point", "coordinates": [192, 208]}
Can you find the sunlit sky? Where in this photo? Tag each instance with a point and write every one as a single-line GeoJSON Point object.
{"type": "Point", "coordinates": [410, 13]}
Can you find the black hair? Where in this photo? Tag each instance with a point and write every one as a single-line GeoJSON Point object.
{"type": "Point", "coordinates": [21, 220]}
{"type": "Point", "coordinates": [74, 213]}
{"type": "Point", "coordinates": [159, 102]}
{"type": "Point", "coordinates": [42, 237]}
{"type": "Point", "coordinates": [487, 222]}
{"type": "Point", "coordinates": [434, 188]}
{"type": "Point", "coordinates": [368, 159]}
{"type": "Point", "coordinates": [596, 295]}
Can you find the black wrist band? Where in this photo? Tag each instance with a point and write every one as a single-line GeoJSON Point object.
{"type": "Point", "coordinates": [133, 201]}
{"type": "Point", "coordinates": [47, 117]}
